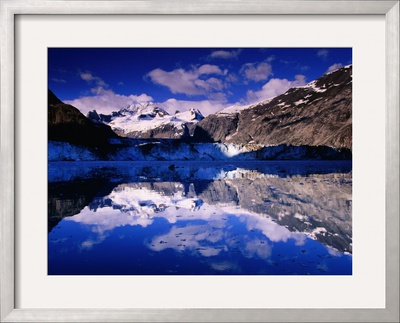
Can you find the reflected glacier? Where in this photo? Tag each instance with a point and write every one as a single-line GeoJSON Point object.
{"type": "Point", "coordinates": [181, 218]}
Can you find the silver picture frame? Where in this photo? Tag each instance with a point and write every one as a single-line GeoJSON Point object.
{"type": "Point", "coordinates": [11, 8]}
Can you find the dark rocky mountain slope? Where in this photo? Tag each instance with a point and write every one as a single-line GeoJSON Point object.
{"type": "Point", "coordinates": [317, 114]}
{"type": "Point", "coordinates": [66, 123]}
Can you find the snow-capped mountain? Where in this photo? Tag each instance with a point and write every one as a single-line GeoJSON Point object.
{"type": "Point", "coordinates": [149, 121]}
{"type": "Point", "coordinates": [317, 114]}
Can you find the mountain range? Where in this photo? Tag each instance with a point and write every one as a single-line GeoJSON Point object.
{"type": "Point", "coordinates": [149, 121]}
{"type": "Point", "coordinates": [316, 116]}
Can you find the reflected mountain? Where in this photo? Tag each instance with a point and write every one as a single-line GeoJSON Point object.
{"type": "Point", "coordinates": [201, 204]}
{"type": "Point", "coordinates": [68, 198]}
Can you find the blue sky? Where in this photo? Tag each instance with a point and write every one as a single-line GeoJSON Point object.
{"type": "Point", "coordinates": [209, 79]}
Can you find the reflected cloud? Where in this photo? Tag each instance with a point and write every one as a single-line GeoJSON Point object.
{"type": "Point", "coordinates": [253, 248]}
{"type": "Point", "coordinates": [223, 266]}
{"type": "Point", "coordinates": [107, 218]}
{"type": "Point", "coordinates": [90, 243]}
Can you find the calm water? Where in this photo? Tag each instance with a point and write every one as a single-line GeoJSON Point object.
{"type": "Point", "coordinates": [163, 218]}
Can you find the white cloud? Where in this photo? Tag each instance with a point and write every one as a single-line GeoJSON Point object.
{"type": "Point", "coordinates": [205, 106]}
{"type": "Point", "coordinates": [304, 68]}
{"type": "Point", "coordinates": [323, 53]}
{"type": "Point", "coordinates": [90, 78]}
{"type": "Point", "coordinates": [334, 67]}
{"type": "Point", "coordinates": [213, 84]}
{"type": "Point", "coordinates": [274, 87]}
{"type": "Point", "coordinates": [106, 101]}
{"type": "Point", "coordinates": [189, 82]}
{"type": "Point", "coordinates": [224, 54]}
{"type": "Point", "coordinates": [210, 69]}
{"type": "Point", "coordinates": [257, 72]}
{"type": "Point", "coordinates": [58, 80]}
{"type": "Point", "coordinates": [177, 81]}
{"type": "Point", "coordinates": [218, 96]}
{"type": "Point", "coordinates": [231, 78]}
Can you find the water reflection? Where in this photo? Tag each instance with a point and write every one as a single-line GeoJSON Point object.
{"type": "Point", "coordinates": [249, 218]}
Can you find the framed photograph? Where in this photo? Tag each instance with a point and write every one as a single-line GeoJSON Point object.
{"type": "Point", "coordinates": [176, 161]}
